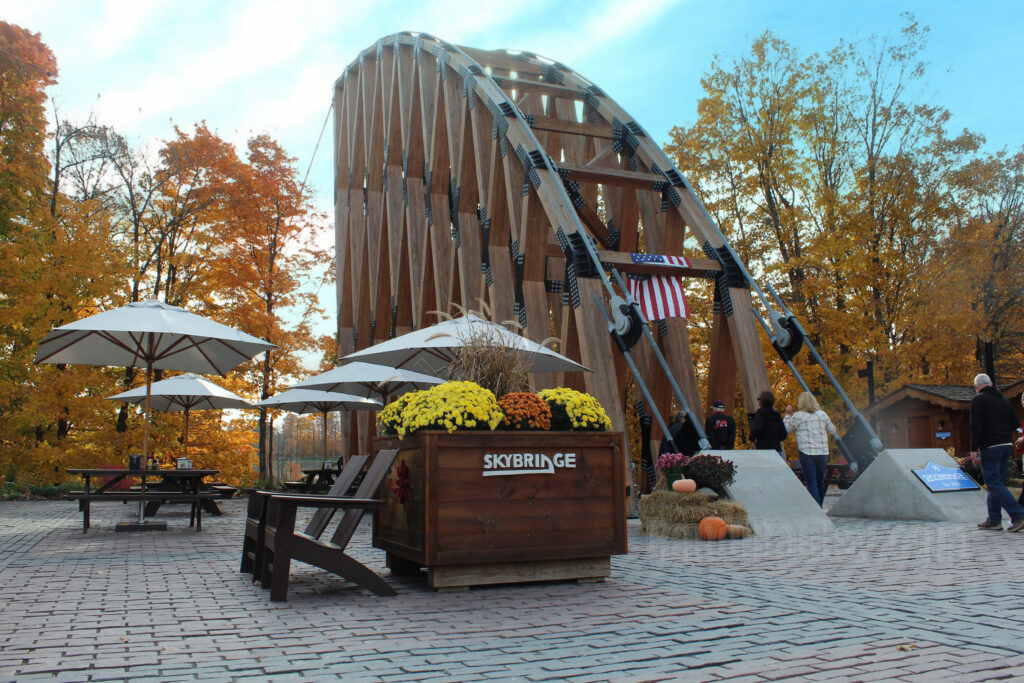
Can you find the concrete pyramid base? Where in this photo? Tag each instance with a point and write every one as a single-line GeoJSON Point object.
{"type": "Point", "coordinates": [888, 489]}
{"type": "Point", "coordinates": [777, 503]}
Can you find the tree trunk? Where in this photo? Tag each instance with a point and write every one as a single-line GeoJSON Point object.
{"type": "Point", "coordinates": [264, 469]}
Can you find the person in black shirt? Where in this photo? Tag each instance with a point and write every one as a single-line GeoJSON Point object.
{"type": "Point", "coordinates": [720, 428]}
{"type": "Point", "coordinates": [993, 426]}
{"type": "Point", "coordinates": [684, 435]}
{"type": "Point", "coordinates": [767, 430]}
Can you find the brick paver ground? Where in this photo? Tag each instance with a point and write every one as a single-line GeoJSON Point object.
{"type": "Point", "coordinates": [871, 601]}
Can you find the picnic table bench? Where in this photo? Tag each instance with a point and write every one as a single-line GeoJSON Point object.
{"type": "Point", "coordinates": [185, 488]}
{"type": "Point", "coordinates": [317, 480]}
{"type": "Point", "coordinates": [174, 487]}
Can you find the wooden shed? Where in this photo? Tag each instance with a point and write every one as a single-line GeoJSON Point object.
{"type": "Point", "coordinates": [931, 416]}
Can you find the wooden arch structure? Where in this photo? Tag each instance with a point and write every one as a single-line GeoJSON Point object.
{"type": "Point", "coordinates": [465, 176]}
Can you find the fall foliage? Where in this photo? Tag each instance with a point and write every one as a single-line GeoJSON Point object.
{"type": "Point", "coordinates": [88, 223]}
{"type": "Point", "coordinates": [893, 238]}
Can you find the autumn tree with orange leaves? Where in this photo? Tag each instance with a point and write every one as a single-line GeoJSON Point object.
{"type": "Point", "coordinates": [88, 223]}
{"type": "Point", "coordinates": [844, 190]}
{"type": "Point", "coordinates": [268, 247]}
{"type": "Point", "coordinates": [44, 276]}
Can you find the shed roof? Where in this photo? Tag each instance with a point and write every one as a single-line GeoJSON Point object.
{"type": "Point", "coordinates": [953, 396]}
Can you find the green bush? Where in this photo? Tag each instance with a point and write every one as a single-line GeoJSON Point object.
{"type": "Point", "coordinates": [16, 491]}
{"type": "Point", "coordinates": [262, 484]}
{"type": "Point", "coordinates": [9, 491]}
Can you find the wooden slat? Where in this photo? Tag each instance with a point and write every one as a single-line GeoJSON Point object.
{"type": "Point", "coordinates": [500, 299]}
{"type": "Point", "coordinates": [501, 60]}
{"type": "Point", "coordinates": [597, 227]}
{"type": "Point", "coordinates": [611, 176]}
{"type": "Point", "coordinates": [395, 220]}
{"type": "Point", "coordinates": [381, 302]}
{"type": "Point", "coordinates": [461, 519]}
{"type": "Point", "coordinates": [459, 576]}
{"type": "Point", "coordinates": [702, 268]}
{"type": "Point", "coordinates": [699, 267]}
{"type": "Point", "coordinates": [675, 347]}
{"type": "Point", "coordinates": [574, 147]}
{"type": "Point", "coordinates": [471, 487]}
{"type": "Point", "coordinates": [409, 110]}
{"type": "Point", "coordinates": [374, 140]}
{"type": "Point", "coordinates": [747, 347]}
{"type": "Point", "coordinates": [539, 88]}
{"type": "Point", "coordinates": [391, 100]}
{"type": "Point", "coordinates": [558, 125]}
{"type": "Point", "coordinates": [722, 370]}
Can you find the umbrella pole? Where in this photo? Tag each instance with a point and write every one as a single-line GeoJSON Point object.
{"type": "Point", "coordinates": [145, 443]}
{"type": "Point", "coordinates": [325, 439]}
{"type": "Point", "coordinates": [185, 444]}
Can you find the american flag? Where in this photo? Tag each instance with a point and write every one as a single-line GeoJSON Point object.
{"type": "Point", "coordinates": [659, 296]}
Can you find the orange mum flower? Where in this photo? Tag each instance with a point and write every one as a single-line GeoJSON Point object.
{"type": "Point", "coordinates": [525, 411]}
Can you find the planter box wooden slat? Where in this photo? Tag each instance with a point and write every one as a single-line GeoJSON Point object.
{"type": "Point", "coordinates": [461, 576]}
{"type": "Point", "coordinates": [550, 499]}
{"type": "Point", "coordinates": [590, 484]}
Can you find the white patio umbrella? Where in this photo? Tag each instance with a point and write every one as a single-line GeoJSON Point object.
{"type": "Point", "coordinates": [183, 393]}
{"type": "Point", "coordinates": [368, 379]}
{"type": "Point", "coordinates": [432, 349]}
{"type": "Point", "coordinates": [154, 336]}
{"type": "Point", "coordinates": [306, 401]}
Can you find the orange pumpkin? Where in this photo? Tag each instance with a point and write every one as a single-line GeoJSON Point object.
{"type": "Point", "coordinates": [684, 486]}
{"type": "Point", "coordinates": [736, 531]}
{"type": "Point", "coordinates": [712, 528]}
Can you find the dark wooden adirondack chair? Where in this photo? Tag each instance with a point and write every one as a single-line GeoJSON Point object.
{"type": "Point", "coordinates": [256, 519]}
{"type": "Point", "coordinates": [283, 544]}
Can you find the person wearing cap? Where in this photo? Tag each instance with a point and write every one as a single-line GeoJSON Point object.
{"type": "Point", "coordinates": [720, 428]}
{"type": "Point", "coordinates": [993, 425]}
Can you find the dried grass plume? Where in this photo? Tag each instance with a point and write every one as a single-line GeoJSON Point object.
{"type": "Point", "coordinates": [484, 359]}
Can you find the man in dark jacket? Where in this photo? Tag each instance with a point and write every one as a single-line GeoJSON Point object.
{"type": "Point", "coordinates": [993, 426]}
{"type": "Point", "coordinates": [767, 430]}
{"type": "Point", "coordinates": [720, 428]}
{"type": "Point", "coordinates": [683, 434]}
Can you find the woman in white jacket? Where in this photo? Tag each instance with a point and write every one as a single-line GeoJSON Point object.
{"type": "Point", "coordinates": [811, 425]}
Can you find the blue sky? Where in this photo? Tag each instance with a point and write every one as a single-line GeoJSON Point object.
{"type": "Point", "coordinates": [252, 66]}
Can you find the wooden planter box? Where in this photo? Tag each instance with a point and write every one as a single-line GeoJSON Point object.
{"type": "Point", "coordinates": [475, 513]}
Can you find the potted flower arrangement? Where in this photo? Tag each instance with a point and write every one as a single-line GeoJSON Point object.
{"type": "Point", "coordinates": [502, 487]}
{"type": "Point", "coordinates": [524, 411]}
{"type": "Point", "coordinates": [671, 466]}
{"type": "Point", "coordinates": [677, 514]}
{"type": "Point", "coordinates": [450, 406]}
{"type": "Point", "coordinates": [711, 471]}
{"type": "Point", "coordinates": [575, 411]}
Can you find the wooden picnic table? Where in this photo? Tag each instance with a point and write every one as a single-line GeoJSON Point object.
{"type": "Point", "coordinates": [184, 482]}
{"type": "Point", "coordinates": [172, 486]}
{"type": "Point", "coordinates": [316, 479]}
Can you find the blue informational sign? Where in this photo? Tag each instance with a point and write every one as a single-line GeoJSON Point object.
{"type": "Point", "coordinates": [938, 478]}
{"type": "Point", "coordinates": [943, 435]}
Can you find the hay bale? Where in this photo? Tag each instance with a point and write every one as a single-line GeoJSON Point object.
{"type": "Point", "coordinates": [676, 515]}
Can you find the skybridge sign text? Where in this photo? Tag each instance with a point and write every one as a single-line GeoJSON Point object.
{"type": "Point", "coordinates": [508, 464]}
{"type": "Point", "coordinates": [938, 478]}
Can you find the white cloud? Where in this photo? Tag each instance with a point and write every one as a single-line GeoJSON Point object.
{"type": "Point", "coordinates": [458, 21]}
{"type": "Point", "coordinates": [120, 23]}
{"type": "Point", "coordinates": [599, 25]}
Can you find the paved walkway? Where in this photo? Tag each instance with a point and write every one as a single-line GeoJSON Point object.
{"type": "Point", "coordinates": [870, 601]}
